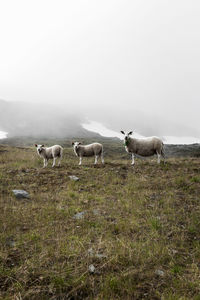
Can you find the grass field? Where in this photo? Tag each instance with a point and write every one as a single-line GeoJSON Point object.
{"type": "Point", "coordinates": [138, 236]}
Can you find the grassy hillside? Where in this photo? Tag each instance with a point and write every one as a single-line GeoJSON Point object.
{"type": "Point", "coordinates": [137, 237]}
{"type": "Point", "coordinates": [112, 146]}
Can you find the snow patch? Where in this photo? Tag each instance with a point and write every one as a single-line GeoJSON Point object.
{"type": "Point", "coordinates": [102, 130]}
{"type": "Point", "coordinates": [3, 135]}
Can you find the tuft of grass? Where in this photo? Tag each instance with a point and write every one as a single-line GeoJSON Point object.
{"type": "Point", "coordinates": [195, 179]}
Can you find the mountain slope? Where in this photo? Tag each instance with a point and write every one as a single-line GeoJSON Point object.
{"type": "Point", "coordinates": [22, 119]}
{"type": "Point", "coordinates": [47, 120]}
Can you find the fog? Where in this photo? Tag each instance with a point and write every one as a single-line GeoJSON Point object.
{"type": "Point", "coordinates": [126, 64]}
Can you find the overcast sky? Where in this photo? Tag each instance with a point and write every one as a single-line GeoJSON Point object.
{"type": "Point", "coordinates": [142, 55]}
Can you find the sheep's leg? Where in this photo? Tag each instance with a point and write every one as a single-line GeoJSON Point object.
{"type": "Point", "coordinates": [133, 160]}
{"type": "Point", "coordinates": [59, 161]}
{"type": "Point", "coordinates": [45, 163]}
{"type": "Point", "coordinates": [102, 159]}
{"type": "Point", "coordinates": [60, 158]}
{"type": "Point", "coordinates": [158, 160]}
{"type": "Point", "coordinates": [54, 162]}
{"type": "Point", "coordinates": [80, 161]}
{"type": "Point", "coordinates": [96, 159]}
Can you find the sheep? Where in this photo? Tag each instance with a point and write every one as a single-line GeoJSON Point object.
{"type": "Point", "coordinates": [50, 152]}
{"type": "Point", "coordinates": [94, 149]}
{"type": "Point", "coordinates": [143, 146]}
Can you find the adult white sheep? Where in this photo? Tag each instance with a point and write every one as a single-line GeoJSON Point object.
{"type": "Point", "coordinates": [94, 149]}
{"type": "Point", "coordinates": [47, 153]}
{"type": "Point", "coordinates": [143, 146]}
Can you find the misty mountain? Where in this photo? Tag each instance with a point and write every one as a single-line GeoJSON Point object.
{"type": "Point", "coordinates": [40, 120]}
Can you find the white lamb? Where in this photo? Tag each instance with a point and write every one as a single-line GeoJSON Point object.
{"type": "Point", "coordinates": [94, 149]}
{"type": "Point", "coordinates": [53, 152]}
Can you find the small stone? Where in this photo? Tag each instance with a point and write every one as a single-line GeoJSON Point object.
{"type": "Point", "coordinates": [10, 242]}
{"type": "Point", "coordinates": [79, 215]}
{"type": "Point", "coordinates": [19, 194]}
{"type": "Point", "coordinates": [73, 177]}
{"type": "Point", "coordinates": [96, 212]}
{"type": "Point", "coordinates": [159, 273]}
{"type": "Point", "coordinates": [91, 268]}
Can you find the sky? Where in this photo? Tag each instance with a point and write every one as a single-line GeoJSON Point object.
{"type": "Point", "coordinates": [103, 56]}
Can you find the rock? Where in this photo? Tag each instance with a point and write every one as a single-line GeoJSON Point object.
{"type": "Point", "coordinates": [19, 194]}
{"type": "Point", "coordinates": [159, 273]}
{"type": "Point", "coordinates": [91, 268]}
{"type": "Point", "coordinates": [96, 212]}
{"type": "Point", "coordinates": [73, 177]}
{"type": "Point", "coordinates": [10, 242]}
{"type": "Point", "coordinates": [79, 215]}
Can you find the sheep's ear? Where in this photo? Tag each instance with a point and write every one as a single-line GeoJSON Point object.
{"type": "Point", "coordinates": [122, 132]}
{"type": "Point", "coordinates": [35, 145]}
{"type": "Point", "coordinates": [72, 143]}
{"type": "Point", "coordinates": [42, 146]}
{"type": "Point", "coordinates": [130, 132]}
{"type": "Point", "coordinates": [80, 143]}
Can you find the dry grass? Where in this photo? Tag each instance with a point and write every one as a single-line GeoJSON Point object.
{"type": "Point", "coordinates": [137, 222]}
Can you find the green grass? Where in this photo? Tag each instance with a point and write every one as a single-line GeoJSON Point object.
{"type": "Point", "coordinates": [137, 221]}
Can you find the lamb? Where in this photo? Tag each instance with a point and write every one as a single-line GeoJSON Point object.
{"type": "Point", "coordinates": [54, 152]}
{"type": "Point", "coordinates": [144, 146]}
{"type": "Point", "coordinates": [94, 149]}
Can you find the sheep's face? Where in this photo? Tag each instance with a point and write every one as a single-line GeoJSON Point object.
{"type": "Point", "coordinates": [126, 136]}
{"type": "Point", "coordinates": [76, 145]}
{"type": "Point", "coordinates": [39, 148]}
